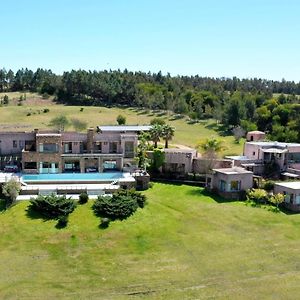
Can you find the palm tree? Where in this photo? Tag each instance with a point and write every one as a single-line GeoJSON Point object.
{"type": "Point", "coordinates": [167, 134]}
{"type": "Point", "coordinates": [156, 133]}
{"type": "Point", "coordinates": [210, 148]}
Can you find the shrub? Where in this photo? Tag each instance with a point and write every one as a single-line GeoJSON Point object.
{"type": "Point", "coordinates": [257, 195]}
{"type": "Point", "coordinates": [83, 198]}
{"type": "Point", "coordinates": [46, 110]}
{"type": "Point", "coordinates": [121, 120]}
{"type": "Point", "coordinates": [62, 221]}
{"type": "Point", "coordinates": [120, 206]}
{"type": "Point", "coordinates": [52, 206]}
{"type": "Point", "coordinates": [190, 176]}
{"type": "Point", "coordinates": [28, 114]}
{"type": "Point", "coordinates": [81, 109]}
{"type": "Point", "coordinates": [11, 190]}
{"type": "Point", "coordinates": [269, 185]}
{"type": "Point", "coordinates": [157, 121]}
{"type": "Point", "coordinates": [277, 199]}
{"type": "Point", "coordinates": [104, 222]}
{"type": "Point", "coordinates": [45, 96]}
{"type": "Point", "coordinates": [5, 100]}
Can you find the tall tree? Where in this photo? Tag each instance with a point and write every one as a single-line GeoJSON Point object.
{"type": "Point", "coordinates": [167, 134]}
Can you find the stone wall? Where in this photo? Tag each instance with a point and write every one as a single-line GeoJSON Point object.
{"type": "Point", "coordinates": [200, 164]}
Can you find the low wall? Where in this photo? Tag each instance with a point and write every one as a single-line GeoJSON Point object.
{"type": "Point", "coordinates": [200, 164]}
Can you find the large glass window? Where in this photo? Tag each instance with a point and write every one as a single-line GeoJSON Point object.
{"type": "Point", "coordinates": [110, 164]}
{"type": "Point", "coordinates": [48, 148]}
{"type": "Point", "coordinates": [83, 147]}
{"type": "Point", "coordinates": [30, 165]}
{"type": "Point", "coordinates": [68, 147]}
{"type": "Point", "coordinates": [294, 157]}
{"type": "Point", "coordinates": [129, 149]}
{"type": "Point", "coordinates": [113, 147]}
{"type": "Point", "coordinates": [48, 167]}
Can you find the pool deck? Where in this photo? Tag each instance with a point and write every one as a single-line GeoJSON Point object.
{"type": "Point", "coordinates": [54, 187]}
{"type": "Point", "coordinates": [72, 196]}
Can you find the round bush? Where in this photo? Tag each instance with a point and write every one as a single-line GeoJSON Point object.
{"type": "Point", "coordinates": [83, 198]}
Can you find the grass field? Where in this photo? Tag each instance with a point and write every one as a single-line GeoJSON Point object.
{"type": "Point", "coordinates": [185, 247]}
{"type": "Point", "coordinates": [30, 115]}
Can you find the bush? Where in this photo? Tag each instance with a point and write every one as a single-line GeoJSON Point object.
{"type": "Point", "coordinates": [257, 195]}
{"type": "Point", "coordinates": [62, 221]}
{"type": "Point", "coordinates": [104, 222]}
{"type": "Point", "coordinates": [46, 110]}
{"type": "Point", "coordinates": [157, 121]}
{"type": "Point", "coordinates": [52, 206]}
{"type": "Point", "coordinates": [81, 109]}
{"type": "Point", "coordinates": [45, 96]}
{"type": "Point", "coordinates": [28, 114]}
{"type": "Point", "coordinates": [11, 190]}
{"type": "Point", "coordinates": [190, 176]}
{"type": "Point", "coordinates": [269, 185]}
{"type": "Point", "coordinates": [121, 120]}
{"type": "Point", "coordinates": [120, 206]}
{"type": "Point", "coordinates": [83, 198]}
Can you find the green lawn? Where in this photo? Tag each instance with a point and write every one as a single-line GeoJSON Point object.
{"type": "Point", "coordinates": [182, 245]}
{"type": "Point", "coordinates": [30, 115]}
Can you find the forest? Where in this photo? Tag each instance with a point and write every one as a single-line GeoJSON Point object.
{"type": "Point", "coordinates": [248, 104]}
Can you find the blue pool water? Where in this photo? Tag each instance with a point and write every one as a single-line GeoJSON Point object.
{"type": "Point", "coordinates": [73, 177]}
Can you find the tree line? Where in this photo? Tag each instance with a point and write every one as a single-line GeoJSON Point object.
{"type": "Point", "coordinates": [234, 102]}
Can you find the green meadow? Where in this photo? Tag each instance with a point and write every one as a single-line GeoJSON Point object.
{"type": "Point", "coordinates": [183, 245]}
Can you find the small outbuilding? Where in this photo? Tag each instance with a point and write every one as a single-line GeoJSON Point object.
{"type": "Point", "coordinates": [291, 192]}
{"type": "Point", "coordinates": [254, 136]}
{"type": "Point", "coordinates": [231, 183]}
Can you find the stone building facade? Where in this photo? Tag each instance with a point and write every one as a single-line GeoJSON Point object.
{"type": "Point", "coordinates": [107, 148]}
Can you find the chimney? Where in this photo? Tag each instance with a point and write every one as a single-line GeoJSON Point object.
{"type": "Point", "coordinates": [90, 140]}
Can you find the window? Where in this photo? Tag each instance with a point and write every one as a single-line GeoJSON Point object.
{"type": "Point", "coordinates": [222, 185]}
{"type": "Point", "coordinates": [30, 165]}
{"type": "Point", "coordinates": [98, 147]}
{"type": "Point", "coordinates": [110, 164]}
{"type": "Point", "coordinates": [48, 167]}
{"type": "Point", "coordinates": [129, 149]}
{"type": "Point", "coordinates": [113, 147]}
{"type": "Point", "coordinates": [68, 147]}
{"type": "Point", "coordinates": [30, 146]}
{"type": "Point", "coordinates": [294, 157]}
{"type": "Point", "coordinates": [48, 148]}
{"type": "Point", "coordinates": [253, 153]}
{"type": "Point", "coordinates": [83, 147]}
{"type": "Point", "coordinates": [235, 185]}
{"type": "Point", "coordinates": [15, 144]}
{"type": "Point", "coordinates": [21, 144]}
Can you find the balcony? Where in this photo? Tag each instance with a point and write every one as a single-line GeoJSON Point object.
{"type": "Point", "coordinates": [129, 154]}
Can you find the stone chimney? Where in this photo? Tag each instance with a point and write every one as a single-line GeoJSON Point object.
{"type": "Point", "coordinates": [90, 140]}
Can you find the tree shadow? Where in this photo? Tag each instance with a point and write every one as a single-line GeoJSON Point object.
{"type": "Point", "coordinates": [215, 197]}
{"type": "Point", "coordinates": [143, 112]}
{"type": "Point", "coordinates": [286, 211]}
{"type": "Point", "coordinates": [221, 129]}
{"type": "Point", "coordinates": [2, 205]}
{"type": "Point", "coordinates": [34, 215]}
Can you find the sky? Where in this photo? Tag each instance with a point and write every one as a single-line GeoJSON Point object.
{"type": "Point", "coordinates": [243, 38]}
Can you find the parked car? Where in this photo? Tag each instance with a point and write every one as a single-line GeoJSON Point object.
{"type": "Point", "coordinates": [11, 168]}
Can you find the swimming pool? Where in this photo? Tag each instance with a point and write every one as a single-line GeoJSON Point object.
{"type": "Point", "coordinates": [70, 177]}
